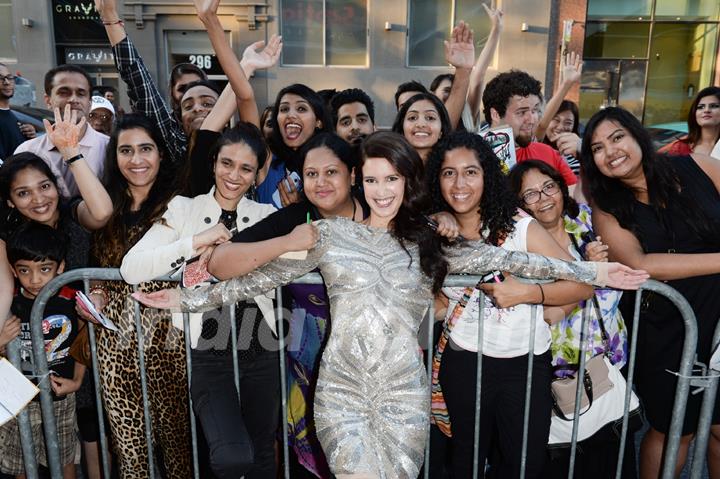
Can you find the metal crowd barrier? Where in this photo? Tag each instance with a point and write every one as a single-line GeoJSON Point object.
{"type": "Point", "coordinates": [685, 380]}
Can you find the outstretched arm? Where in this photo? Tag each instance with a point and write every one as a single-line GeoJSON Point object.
{"type": "Point", "coordinates": [278, 272]}
{"type": "Point", "coordinates": [475, 257]}
{"type": "Point", "coordinates": [477, 77]}
{"type": "Point", "coordinates": [460, 53]}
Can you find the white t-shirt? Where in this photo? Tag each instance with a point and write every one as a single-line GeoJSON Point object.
{"type": "Point", "coordinates": [506, 332]}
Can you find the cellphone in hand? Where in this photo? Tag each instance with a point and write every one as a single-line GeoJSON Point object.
{"type": "Point", "coordinates": [493, 277]}
{"type": "Point", "coordinates": [588, 237]}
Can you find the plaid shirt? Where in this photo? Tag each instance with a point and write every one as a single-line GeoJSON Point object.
{"type": "Point", "coordinates": [146, 99]}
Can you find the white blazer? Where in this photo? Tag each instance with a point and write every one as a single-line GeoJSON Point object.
{"type": "Point", "coordinates": [168, 244]}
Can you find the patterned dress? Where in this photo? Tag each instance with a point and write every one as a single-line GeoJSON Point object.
{"type": "Point", "coordinates": [565, 335]}
{"type": "Point", "coordinates": [372, 401]}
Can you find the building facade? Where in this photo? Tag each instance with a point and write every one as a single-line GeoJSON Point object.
{"type": "Point", "coordinates": [377, 44]}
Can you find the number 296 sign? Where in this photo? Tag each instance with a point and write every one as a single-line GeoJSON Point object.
{"type": "Point", "coordinates": [201, 61]}
{"type": "Point", "coordinates": [208, 63]}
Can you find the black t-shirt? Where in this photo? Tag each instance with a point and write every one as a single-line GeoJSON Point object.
{"type": "Point", "coordinates": [60, 328]}
{"type": "Point", "coordinates": [201, 173]}
{"type": "Point", "coordinates": [10, 136]}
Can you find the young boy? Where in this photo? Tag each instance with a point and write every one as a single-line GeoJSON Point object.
{"type": "Point", "coordinates": [36, 254]}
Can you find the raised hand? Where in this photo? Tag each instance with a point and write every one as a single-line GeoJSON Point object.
{"type": "Point", "coordinates": [206, 8]}
{"type": "Point", "coordinates": [460, 50]}
{"type": "Point", "coordinates": [163, 299]}
{"type": "Point", "coordinates": [567, 143]}
{"type": "Point", "coordinates": [571, 68]}
{"type": "Point", "coordinates": [107, 10]}
{"type": "Point", "coordinates": [265, 58]}
{"type": "Point", "coordinates": [596, 251]}
{"type": "Point", "coordinates": [495, 15]}
{"type": "Point", "coordinates": [10, 330]}
{"type": "Point", "coordinates": [65, 133]}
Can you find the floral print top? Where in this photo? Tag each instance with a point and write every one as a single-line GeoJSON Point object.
{"type": "Point", "coordinates": [565, 335]}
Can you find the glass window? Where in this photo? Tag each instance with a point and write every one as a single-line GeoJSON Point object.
{"type": "Point", "coordinates": [430, 24]}
{"type": "Point", "coordinates": [342, 24]}
{"type": "Point", "coordinates": [687, 10]}
{"type": "Point", "coordinates": [429, 27]}
{"type": "Point", "coordinates": [346, 32]}
{"type": "Point", "coordinates": [620, 9]}
{"type": "Point", "coordinates": [7, 37]}
{"type": "Point", "coordinates": [302, 32]}
{"type": "Point", "coordinates": [673, 80]}
{"type": "Point", "coordinates": [616, 40]}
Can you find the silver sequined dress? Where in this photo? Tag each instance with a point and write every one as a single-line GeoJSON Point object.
{"type": "Point", "coordinates": [372, 402]}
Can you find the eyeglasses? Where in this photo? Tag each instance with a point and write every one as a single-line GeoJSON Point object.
{"type": "Point", "coordinates": [99, 116]}
{"type": "Point", "coordinates": [532, 197]}
{"type": "Point", "coordinates": [709, 106]}
{"type": "Point", "coordinates": [9, 79]}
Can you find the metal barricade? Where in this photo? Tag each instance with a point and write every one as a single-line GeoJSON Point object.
{"type": "Point", "coordinates": [85, 275]}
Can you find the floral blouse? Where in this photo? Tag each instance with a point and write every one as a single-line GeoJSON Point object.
{"type": "Point", "coordinates": [565, 335]}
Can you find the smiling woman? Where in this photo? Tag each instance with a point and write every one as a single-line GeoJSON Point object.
{"type": "Point", "coordinates": [662, 214]}
{"type": "Point", "coordinates": [423, 120]}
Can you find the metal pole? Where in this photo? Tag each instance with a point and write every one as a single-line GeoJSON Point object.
{"type": "Point", "coordinates": [283, 380]}
{"type": "Point", "coordinates": [193, 425]}
{"type": "Point", "coordinates": [528, 388]}
{"type": "Point", "coordinates": [96, 389]}
{"type": "Point", "coordinates": [478, 384]}
{"type": "Point", "coordinates": [233, 344]}
{"type": "Point", "coordinates": [143, 385]}
{"type": "Point", "coordinates": [52, 447]}
{"type": "Point", "coordinates": [706, 412]}
{"type": "Point", "coordinates": [628, 390]}
{"type": "Point", "coordinates": [584, 332]}
{"type": "Point", "coordinates": [26, 439]}
{"type": "Point", "coordinates": [428, 370]}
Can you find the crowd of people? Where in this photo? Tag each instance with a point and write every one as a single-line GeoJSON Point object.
{"type": "Point", "coordinates": [171, 188]}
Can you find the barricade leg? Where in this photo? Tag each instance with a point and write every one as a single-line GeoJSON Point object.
{"type": "Point", "coordinates": [478, 382]}
{"type": "Point", "coordinates": [193, 425]}
{"type": "Point", "coordinates": [23, 419]}
{"type": "Point", "coordinates": [283, 382]}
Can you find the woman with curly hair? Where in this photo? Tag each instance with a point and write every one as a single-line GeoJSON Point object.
{"type": "Point", "coordinates": [464, 177]}
{"type": "Point", "coordinates": [703, 125]}
{"type": "Point", "coordinates": [661, 214]}
{"type": "Point", "coordinates": [371, 400]}
{"type": "Point", "coordinates": [422, 120]}
{"type": "Point", "coordinates": [141, 181]}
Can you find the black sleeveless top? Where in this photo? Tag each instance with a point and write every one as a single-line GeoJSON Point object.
{"type": "Point", "coordinates": [661, 327]}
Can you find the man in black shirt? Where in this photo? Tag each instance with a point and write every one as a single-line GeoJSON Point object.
{"type": "Point", "coordinates": [12, 133]}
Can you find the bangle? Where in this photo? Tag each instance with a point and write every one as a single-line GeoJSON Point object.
{"type": "Point", "coordinates": [542, 293]}
{"type": "Point", "coordinates": [116, 22]}
{"type": "Point", "coordinates": [72, 160]}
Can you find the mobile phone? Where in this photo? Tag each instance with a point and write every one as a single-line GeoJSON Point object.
{"type": "Point", "coordinates": [434, 226]}
{"type": "Point", "coordinates": [493, 277]}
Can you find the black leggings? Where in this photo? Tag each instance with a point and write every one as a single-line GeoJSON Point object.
{"type": "Point", "coordinates": [501, 412]}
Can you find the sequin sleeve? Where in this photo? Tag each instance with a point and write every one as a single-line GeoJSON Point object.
{"type": "Point", "coordinates": [475, 257]}
{"type": "Point", "coordinates": [276, 273]}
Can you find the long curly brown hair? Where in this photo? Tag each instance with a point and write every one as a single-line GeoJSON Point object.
{"type": "Point", "coordinates": [119, 235]}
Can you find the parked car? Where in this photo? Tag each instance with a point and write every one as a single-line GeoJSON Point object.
{"type": "Point", "coordinates": [24, 92]}
{"type": "Point", "coordinates": [33, 116]}
{"type": "Point", "coordinates": [663, 134]}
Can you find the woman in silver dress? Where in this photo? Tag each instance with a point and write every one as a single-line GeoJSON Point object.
{"type": "Point", "coordinates": [372, 400]}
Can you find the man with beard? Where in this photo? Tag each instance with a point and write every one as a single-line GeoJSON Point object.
{"type": "Point", "coordinates": [69, 85]}
{"type": "Point", "coordinates": [513, 98]}
{"type": "Point", "coordinates": [12, 133]}
{"type": "Point", "coordinates": [353, 115]}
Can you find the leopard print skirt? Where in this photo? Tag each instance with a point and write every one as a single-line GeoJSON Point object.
{"type": "Point", "coordinates": [164, 348]}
